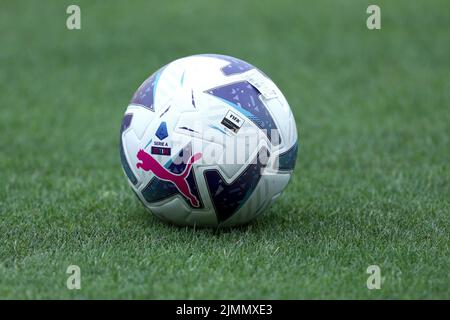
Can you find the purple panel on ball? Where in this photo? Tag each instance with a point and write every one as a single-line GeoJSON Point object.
{"type": "Point", "coordinates": [145, 95]}
{"type": "Point", "coordinates": [235, 65]}
{"type": "Point", "coordinates": [245, 98]}
{"type": "Point", "coordinates": [126, 121]}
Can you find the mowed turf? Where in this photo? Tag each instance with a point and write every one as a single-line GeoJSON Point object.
{"type": "Point", "coordinates": [371, 186]}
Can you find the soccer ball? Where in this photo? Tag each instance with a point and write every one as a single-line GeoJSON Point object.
{"type": "Point", "coordinates": [208, 140]}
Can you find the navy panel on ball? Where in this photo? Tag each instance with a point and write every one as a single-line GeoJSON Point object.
{"type": "Point", "coordinates": [286, 160]}
{"type": "Point", "coordinates": [126, 121]}
{"type": "Point", "coordinates": [228, 198]}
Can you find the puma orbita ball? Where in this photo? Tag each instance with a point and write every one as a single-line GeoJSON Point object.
{"type": "Point", "coordinates": [208, 140]}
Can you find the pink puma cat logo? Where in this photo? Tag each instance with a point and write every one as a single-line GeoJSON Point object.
{"type": "Point", "coordinates": [148, 163]}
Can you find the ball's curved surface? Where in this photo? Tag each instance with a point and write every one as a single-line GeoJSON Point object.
{"type": "Point", "coordinates": [208, 140]}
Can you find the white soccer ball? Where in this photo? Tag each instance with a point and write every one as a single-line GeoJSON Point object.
{"type": "Point", "coordinates": [208, 140]}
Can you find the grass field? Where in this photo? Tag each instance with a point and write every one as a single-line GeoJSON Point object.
{"type": "Point", "coordinates": [371, 186]}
